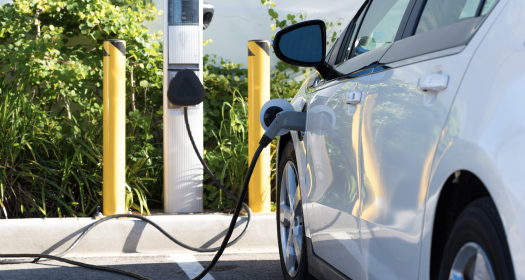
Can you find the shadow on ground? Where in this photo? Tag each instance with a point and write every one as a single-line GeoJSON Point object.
{"type": "Point", "coordinates": [229, 269]}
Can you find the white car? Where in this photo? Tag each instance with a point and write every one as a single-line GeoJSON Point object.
{"type": "Point", "coordinates": [412, 165]}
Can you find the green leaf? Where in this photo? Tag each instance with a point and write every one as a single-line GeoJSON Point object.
{"type": "Point", "coordinates": [95, 34]}
{"type": "Point", "coordinates": [273, 14]}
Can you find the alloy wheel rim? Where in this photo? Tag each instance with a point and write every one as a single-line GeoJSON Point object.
{"type": "Point", "coordinates": [291, 219]}
{"type": "Point", "coordinates": [471, 263]}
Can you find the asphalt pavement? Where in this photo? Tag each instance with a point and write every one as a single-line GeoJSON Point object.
{"type": "Point", "coordinates": [176, 266]}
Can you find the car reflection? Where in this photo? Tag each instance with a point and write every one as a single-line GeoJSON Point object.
{"type": "Point", "coordinates": [334, 148]}
{"type": "Point", "coordinates": [389, 120]}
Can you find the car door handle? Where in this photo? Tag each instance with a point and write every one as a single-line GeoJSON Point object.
{"type": "Point", "coordinates": [433, 82]}
{"type": "Point", "coordinates": [352, 97]}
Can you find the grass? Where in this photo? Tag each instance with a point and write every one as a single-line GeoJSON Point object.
{"type": "Point", "coordinates": [51, 166]}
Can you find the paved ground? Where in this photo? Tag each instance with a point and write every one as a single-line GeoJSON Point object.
{"type": "Point", "coordinates": [179, 266]}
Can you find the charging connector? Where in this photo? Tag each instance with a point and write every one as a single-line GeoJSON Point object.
{"type": "Point", "coordinates": [290, 120]}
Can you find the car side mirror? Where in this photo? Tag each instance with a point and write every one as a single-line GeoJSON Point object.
{"type": "Point", "coordinates": [302, 44]}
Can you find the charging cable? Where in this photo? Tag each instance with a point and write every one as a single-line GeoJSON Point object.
{"type": "Point", "coordinates": [43, 257]}
{"type": "Point", "coordinates": [185, 81]}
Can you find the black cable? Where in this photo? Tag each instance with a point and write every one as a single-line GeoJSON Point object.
{"type": "Point", "coordinates": [235, 214]}
{"type": "Point", "coordinates": [248, 210]}
{"type": "Point", "coordinates": [240, 199]}
{"type": "Point", "coordinates": [85, 232]}
{"type": "Point", "coordinates": [42, 257]}
{"type": "Point", "coordinates": [103, 268]}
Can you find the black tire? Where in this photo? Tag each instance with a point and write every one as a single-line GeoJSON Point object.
{"type": "Point", "coordinates": [302, 271]}
{"type": "Point", "coordinates": [479, 223]}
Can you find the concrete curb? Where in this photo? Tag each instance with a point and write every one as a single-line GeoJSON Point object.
{"type": "Point", "coordinates": [125, 236]}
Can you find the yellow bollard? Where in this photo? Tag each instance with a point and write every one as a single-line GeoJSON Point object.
{"type": "Point", "coordinates": [114, 125]}
{"type": "Point", "coordinates": [258, 94]}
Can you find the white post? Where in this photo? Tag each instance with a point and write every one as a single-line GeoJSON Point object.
{"type": "Point", "coordinates": [183, 172]}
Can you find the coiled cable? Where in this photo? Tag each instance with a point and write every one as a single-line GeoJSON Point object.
{"type": "Point", "coordinates": [240, 204]}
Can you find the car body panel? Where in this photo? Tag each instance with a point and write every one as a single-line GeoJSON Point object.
{"type": "Point", "coordinates": [485, 131]}
{"type": "Point", "coordinates": [400, 132]}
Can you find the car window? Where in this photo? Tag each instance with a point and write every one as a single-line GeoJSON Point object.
{"type": "Point", "coordinates": [379, 27]}
{"type": "Point", "coordinates": [439, 13]}
{"type": "Point", "coordinates": [352, 38]}
{"type": "Point", "coordinates": [329, 54]}
{"type": "Point", "coordinates": [334, 49]}
{"type": "Point", "coordinates": [487, 6]}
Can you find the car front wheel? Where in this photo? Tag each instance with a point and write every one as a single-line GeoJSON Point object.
{"type": "Point", "coordinates": [290, 229]}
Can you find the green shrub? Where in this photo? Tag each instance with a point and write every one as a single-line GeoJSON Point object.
{"type": "Point", "coordinates": [51, 71]}
{"type": "Point", "coordinates": [51, 109]}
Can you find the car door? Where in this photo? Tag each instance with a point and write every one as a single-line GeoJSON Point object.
{"type": "Point", "coordinates": [409, 96]}
{"type": "Point", "coordinates": [332, 179]}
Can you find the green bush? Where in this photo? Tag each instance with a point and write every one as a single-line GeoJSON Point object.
{"type": "Point", "coordinates": [51, 109]}
{"type": "Point", "coordinates": [51, 166]}
{"type": "Point", "coordinates": [51, 73]}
